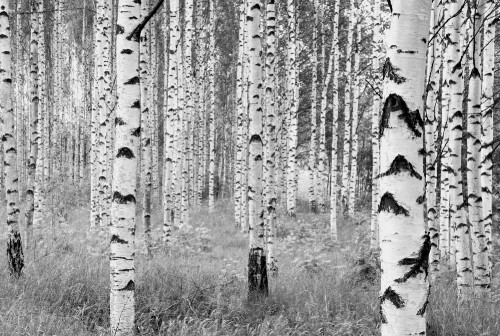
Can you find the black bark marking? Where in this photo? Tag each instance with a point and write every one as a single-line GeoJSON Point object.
{"type": "Point", "coordinates": [126, 152]}
{"type": "Point", "coordinates": [421, 311]}
{"type": "Point", "coordinates": [129, 287]}
{"type": "Point", "coordinates": [419, 264]}
{"type": "Point", "coordinates": [137, 131]}
{"type": "Point", "coordinates": [390, 5]}
{"type": "Point", "coordinates": [421, 199]}
{"type": "Point", "coordinates": [257, 274]}
{"type": "Point", "coordinates": [136, 104]}
{"type": "Point", "coordinates": [116, 239]}
{"type": "Point", "coordinates": [127, 51]}
{"type": "Point", "coordinates": [119, 121]}
{"type": "Point", "coordinates": [412, 119]}
{"type": "Point", "coordinates": [15, 256]}
{"type": "Point", "coordinates": [391, 72]}
{"type": "Point", "coordinates": [123, 199]}
{"type": "Point", "coordinates": [119, 29]}
{"type": "Point", "coordinates": [394, 298]}
{"type": "Point", "coordinates": [399, 165]}
{"type": "Point", "coordinates": [132, 81]}
{"type": "Point", "coordinates": [389, 204]}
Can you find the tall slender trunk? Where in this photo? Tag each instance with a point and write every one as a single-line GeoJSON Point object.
{"type": "Point", "coordinates": [15, 257]}
{"type": "Point", "coordinates": [376, 54]}
{"type": "Point", "coordinates": [314, 115]}
{"type": "Point", "coordinates": [170, 117]}
{"type": "Point", "coordinates": [34, 109]}
{"type": "Point", "coordinates": [146, 126]}
{"type": "Point", "coordinates": [270, 136]}
{"type": "Point", "coordinates": [355, 111]}
{"type": "Point", "coordinates": [335, 118]}
{"type": "Point", "coordinates": [257, 264]}
{"type": "Point", "coordinates": [434, 69]}
{"type": "Point", "coordinates": [487, 122]}
{"type": "Point", "coordinates": [211, 110]}
{"type": "Point", "coordinates": [127, 140]}
{"type": "Point", "coordinates": [292, 106]}
{"type": "Point", "coordinates": [344, 190]}
{"type": "Point", "coordinates": [482, 273]}
{"type": "Point", "coordinates": [404, 244]}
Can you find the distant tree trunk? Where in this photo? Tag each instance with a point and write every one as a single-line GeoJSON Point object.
{"type": "Point", "coordinates": [487, 123]}
{"type": "Point", "coordinates": [376, 54]}
{"type": "Point", "coordinates": [211, 116]}
{"type": "Point", "coordinates": [170, 117]}
{"type": "Point", "coordinates": [335, 118]}
{"type": "Point", "coordinates": [146, 126]}
{"type": "Point", "coordinates": [344, 189]}
{"type": "Point", "coordinates": [314, 115]}
{"type": "Point", "coordinates": [257, 263]}
{"type": "Point", "coordinates": [15, 257]}
{"type": "Point", "coordinates": [240, 134]}
{"type": "Point", "coordinates": [270, 136]}
{"type": "Point", "coordinates": [42, 116]}
{"type": "Point", "coordinates": [404, 244]}
{"type": "Point", "coordinates": [482, 273]}
{"type": "Point", "coordinates": [292, 105]}
{"type": "Point", "coordinates": [34, 108]}
{"type": "Point", "coordinates": [127, 139]}
{"type": "Point", "coordinates": [434, 69]}
{"type": "Point", "coordinates": [355, 111]}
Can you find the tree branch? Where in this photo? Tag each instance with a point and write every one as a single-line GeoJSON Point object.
{"type": "Point", "coordinates": [136, 33]}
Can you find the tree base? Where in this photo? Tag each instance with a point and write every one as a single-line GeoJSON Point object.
{"type": "Point", "coordinates": [257, 274]}
{"type": "Point", "coordinates": [15, 257]}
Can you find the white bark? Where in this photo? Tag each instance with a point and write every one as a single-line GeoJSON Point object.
{"type": "Point", "coordinates": [127, 139]}
{"type": "Point", "coordinates": [404, 287]}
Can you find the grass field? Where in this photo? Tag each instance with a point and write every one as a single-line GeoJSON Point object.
{"type": "Point", "coordinates": [198, 287]}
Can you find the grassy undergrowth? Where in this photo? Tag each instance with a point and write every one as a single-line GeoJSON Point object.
{"type": "Point", "coordinates": [199, 288]}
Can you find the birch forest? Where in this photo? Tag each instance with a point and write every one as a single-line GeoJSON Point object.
{"type": "Point", "coordinates": [250, 167]}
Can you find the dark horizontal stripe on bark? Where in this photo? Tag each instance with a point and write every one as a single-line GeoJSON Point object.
{"type": "Point", "coordinates": [389, 204]}
{"type": "Point", "coordinates": [419, 264]}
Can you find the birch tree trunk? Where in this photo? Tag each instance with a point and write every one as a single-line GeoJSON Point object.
{"type": "Point", "coordinates": [146, 126]}
{"type": "Point", "coordinates": [34, 108]}
{"type": "Point", "coordinates": [240, 135]}
{"type": "Point", "coordinates": [270, 136]}
{"type": "Point", "coordinates": [335, 117]}
{"type": "Point", "coordinates": [344, 191]}
{"type": "Point", "coordinates": [15, 257]}
{"type": "Point", "coordinates": [487, 123]}
{"type": "Point", "coordinates": [376, 50]}
{"type": "Point", "coordinates": [355, 111]}
{"type": "Point", "coordinates": [292, 99]}
{"type": "Point", "coordinates": [481, 270]}
{"type": "Point", "coordinates": [211, 116]}
{"type": "Point", "coordinates": [257, 262]}
{"type": "Point", "coordinates": [404, 244]}
{"type": "Point", "coordinates": [434, 70]}
{"type": "Point", "coordinates": [127, 139]}
{"type": "Point", "coordinates": [170, 117]}
{"type": "Point", "coordinates": [314, 103]}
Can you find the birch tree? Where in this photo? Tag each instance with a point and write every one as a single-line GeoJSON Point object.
{"type": "Point", "coordinates": [335, 116]}
{"type": "Point", "coordinates": [404, 253]}
{"type": "Point", "coordinates": [257, 262]}
{"type": "Point", "coordinates": [15, 257]}
{"type": "Point", "coordinates": [211, 116]}
{"type": "Point", "coordinates": [292, 106]}
{"type": "Point", "coordinates": [479, 238]}
{"type": "Point", "coordinates": [487, 122]}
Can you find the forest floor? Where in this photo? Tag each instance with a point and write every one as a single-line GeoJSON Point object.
{"type": "Point", "coordinates": [199, 286]}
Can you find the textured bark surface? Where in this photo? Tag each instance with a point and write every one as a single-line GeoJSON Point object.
{"type": "Point", "coordinates": [257, 276]}
{"type": "Point", "coordinates": [480, 263]}
{"type": "Point", "coordinates": [127, 139]}
{"type": "Point", "coordinates": [404, 253]}
{"type": "Point", "coordinates": [15, 257]}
